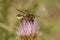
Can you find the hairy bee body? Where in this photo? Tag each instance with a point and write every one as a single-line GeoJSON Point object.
{"type": "Point", "coordinates": [29, 17]}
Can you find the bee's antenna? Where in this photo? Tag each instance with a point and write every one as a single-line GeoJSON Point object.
{"type": "Point", "coordinates": [19, 10]}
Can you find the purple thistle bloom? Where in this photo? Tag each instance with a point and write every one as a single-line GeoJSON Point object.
{"type": "Point", "coordinates": [27, 28]}
{"type": "Point", "coordinates": [34, 27]}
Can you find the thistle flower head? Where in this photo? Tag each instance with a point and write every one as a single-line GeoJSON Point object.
{"type": "Point", "coordinates": [26, 28]}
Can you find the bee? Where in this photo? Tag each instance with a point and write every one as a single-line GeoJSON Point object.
{"type": "Point", "coordinates": [26, 15]}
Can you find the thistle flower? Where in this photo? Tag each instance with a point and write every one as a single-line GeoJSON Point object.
{"type": "Point", "coordinates": [26, 28]}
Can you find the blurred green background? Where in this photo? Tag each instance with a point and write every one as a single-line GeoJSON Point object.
{"type": "Point", "coordinates": [49, 20]}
